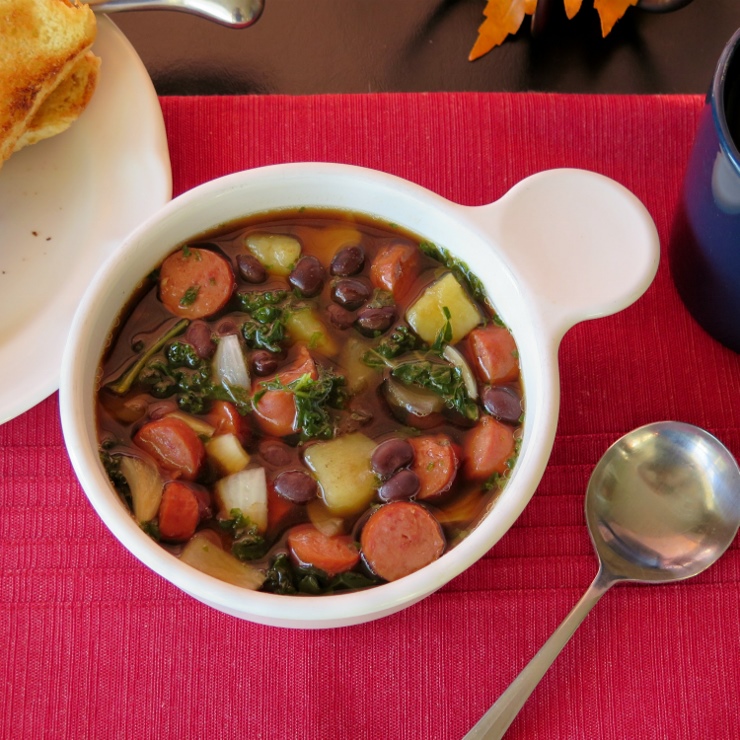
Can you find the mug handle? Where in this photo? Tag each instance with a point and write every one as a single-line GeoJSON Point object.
{"type": "Point", "coordinates": [584, 245]}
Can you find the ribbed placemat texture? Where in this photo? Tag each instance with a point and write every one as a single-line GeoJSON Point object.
{"type": "Point", "coordinates": [93, 645]}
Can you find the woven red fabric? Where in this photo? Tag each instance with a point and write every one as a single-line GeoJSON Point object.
{"type": "Point", "coordinates": [93, 645]}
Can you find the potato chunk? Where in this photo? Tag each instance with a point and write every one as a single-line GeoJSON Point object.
{"type": "Point", "coordinates": [305, 326]}
{"type": "Point", "coordinates": [427, 316]}
{"type": "Point", "coordinates": [342, 468]}
{"type": "Point", "coordinates": [277, 253]}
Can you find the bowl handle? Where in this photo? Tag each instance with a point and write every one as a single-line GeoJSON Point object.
{"type": "Point", "coordinates": [583, 244]}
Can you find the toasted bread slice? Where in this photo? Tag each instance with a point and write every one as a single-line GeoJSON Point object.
{"type": "Point", "coordinates": [41, 41]}
{"type": "Point", "coordinates": [65, 102]}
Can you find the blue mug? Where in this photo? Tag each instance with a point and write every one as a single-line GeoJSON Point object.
{"type": "Point", "coordinates": [704, 252]}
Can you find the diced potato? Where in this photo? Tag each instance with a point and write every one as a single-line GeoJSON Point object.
{"type": "Point", "coordinates": [227, 453]}
{"type": "Point", "coordinates": [304, 325]}
{"type": "Point", "coordinates": [246, 491]}
{"type": "Point", "coordinates": [200, 427]}
{"type": "Point", "coordinates": [357, 374]}
{"type": "Point", "coordinates": [277, 253]}
{"type": "Point", "coordinates": [202, 553]}
{"type": "Point", "coordinates": [427, 317]}
{"type": "Point", "coordinates": [145, 484]}
{"type": "Point", "coordinates": [342, 468]}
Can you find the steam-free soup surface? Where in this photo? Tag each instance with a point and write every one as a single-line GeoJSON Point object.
{"type": "Point", "coordinates": [309, 402]}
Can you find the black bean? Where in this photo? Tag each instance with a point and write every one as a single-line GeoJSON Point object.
{"type": "Point", "coordinates": [373, 320]}
{"type": "Point", "coordinates": [389, 456]}
{"type": "Point", "coordinates": [348, 261]}
{"type": "Point", "coordinates": [296, 486]}
{"type": "Point", "coordinates": [403, 485]}
{"type": "Point", "coordinates": [275, 453]}
{"type": "Point", "coordinates": [307, 276]}
{"type": "Point", "coordinates": [250, 268]}
{"type": "Point", "coordinates": [502, 402]}
{"type": "Point", "coordinates": [351, 292]}
{"type": "Point", "coordinates": [226, 327]}
{"type": "Point", "coordinates": [264, 362]}
{"type": "Point", "coordinates": [198, 334]}
{"type": "Point", "coordinates": [339, 316]}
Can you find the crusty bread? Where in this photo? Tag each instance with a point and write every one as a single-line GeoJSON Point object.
{"type": "Point", "coordinates": [65, 102]}
{"type": "Point", "coordinates": [40, 43]}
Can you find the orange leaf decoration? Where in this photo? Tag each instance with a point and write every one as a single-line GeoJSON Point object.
{"type": "Point", "coordinates": [572, 7]}
{"type": "Point", "coordinates": [503, 17]}
{"type": "Point", "coordinates": [610, 11]}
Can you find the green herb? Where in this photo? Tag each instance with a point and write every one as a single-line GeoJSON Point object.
{"type": "Point", "coordinates": [112, 465]}
{"type": "Point", "coordinates": [249, 302]}
{"type": "Point", "coordinates": [186, 251]}
{"type": "Point", "coordinates": [152, 529]}
{"type": "Point", "coordinates": [180, 371]}
{"type": "Point", "coordinates": [182, 354]}
{"type": "Point", "coordinates": [442, 378]}
{"type": "Point", "coordinates": [492, 482]}
{"type": "Point", "coordinates": [444, 336]}
{"type": "Point", "coordinates": [380, 299]}
{"type": "Point", "coordinates": [248, 543]}
{"type": "Point", "coordinates": [189, 296]}
{"type": "Point", "coordinates": [125, 381]}
{"type": "Point", "coordinates": [267, 312]}
{"type": "Point", "coordinates": [399, 341]}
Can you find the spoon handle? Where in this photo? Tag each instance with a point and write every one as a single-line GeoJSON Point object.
{"type": "Point", "coordinates": [497, 719]}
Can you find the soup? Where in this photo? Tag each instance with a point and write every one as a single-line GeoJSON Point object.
{"type": "Point", "coordinates": [309, 402]}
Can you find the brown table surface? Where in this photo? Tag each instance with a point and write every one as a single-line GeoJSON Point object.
{"type": "Point", "coordinates": [356, 46]}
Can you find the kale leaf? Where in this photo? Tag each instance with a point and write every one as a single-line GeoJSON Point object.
{"type": "Point", "coordinates": [399, 341]}
{"type": "Point", "coordinates": [444, 379]}
{"type": "Point", "coordinates": [283, 577]}
{"type": "Point", "coordinates": [266, 312]}
{"type": "Point", "coordinates": [248, 543]}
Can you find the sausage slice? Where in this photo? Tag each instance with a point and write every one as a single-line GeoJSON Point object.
{"type": "Point", "coordinates": [400, 538]}
{"type": "Point", "coordinates": [194, 283]}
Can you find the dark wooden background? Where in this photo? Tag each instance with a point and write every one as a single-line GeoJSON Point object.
{"type": "Point", "coordinates": [356, 46]}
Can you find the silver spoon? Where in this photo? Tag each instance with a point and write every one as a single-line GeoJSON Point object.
{"type": "Point", "coordinates": [233, 13]}
{"type": "Point", "coordinates": [662, 505]}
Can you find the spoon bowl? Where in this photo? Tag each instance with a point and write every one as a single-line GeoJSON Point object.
{"type": "Point", "coordinates": [662, 504]}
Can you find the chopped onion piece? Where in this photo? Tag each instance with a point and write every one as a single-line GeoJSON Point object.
{"type": "Point", "coordinates": [202, 553]}
{"type": "Point", "coordinates": [229, 366]}
{"type": "Point", "coordinates": [416, 401]}
{"type": "Point", "coordinates": [200, 427]}
{"type": "Point", "coordinates": [327, 523]}
{"type": "Point", "coordinates": [246, 491]}
{"type": "Point", "coordinates": [145, 484]}
{"type": "Point", "coordinates": [456, 358]}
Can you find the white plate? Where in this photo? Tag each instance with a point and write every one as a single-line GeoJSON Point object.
{"type": "Point", "coordinates": [65, 205]}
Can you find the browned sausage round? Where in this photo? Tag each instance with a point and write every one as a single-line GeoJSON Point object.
{"type": "Point", "coordinates": [179, 512]}
{"type": "Point", "coordinates": [194, 283]}
{"type": "Point", "coordinates": [174, 445]}
{"type": "Point", "coordinates": [399, 538]}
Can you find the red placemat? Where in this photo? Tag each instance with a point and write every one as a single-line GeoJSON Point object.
{"type": "Point", "coordinates": [92, 644]}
